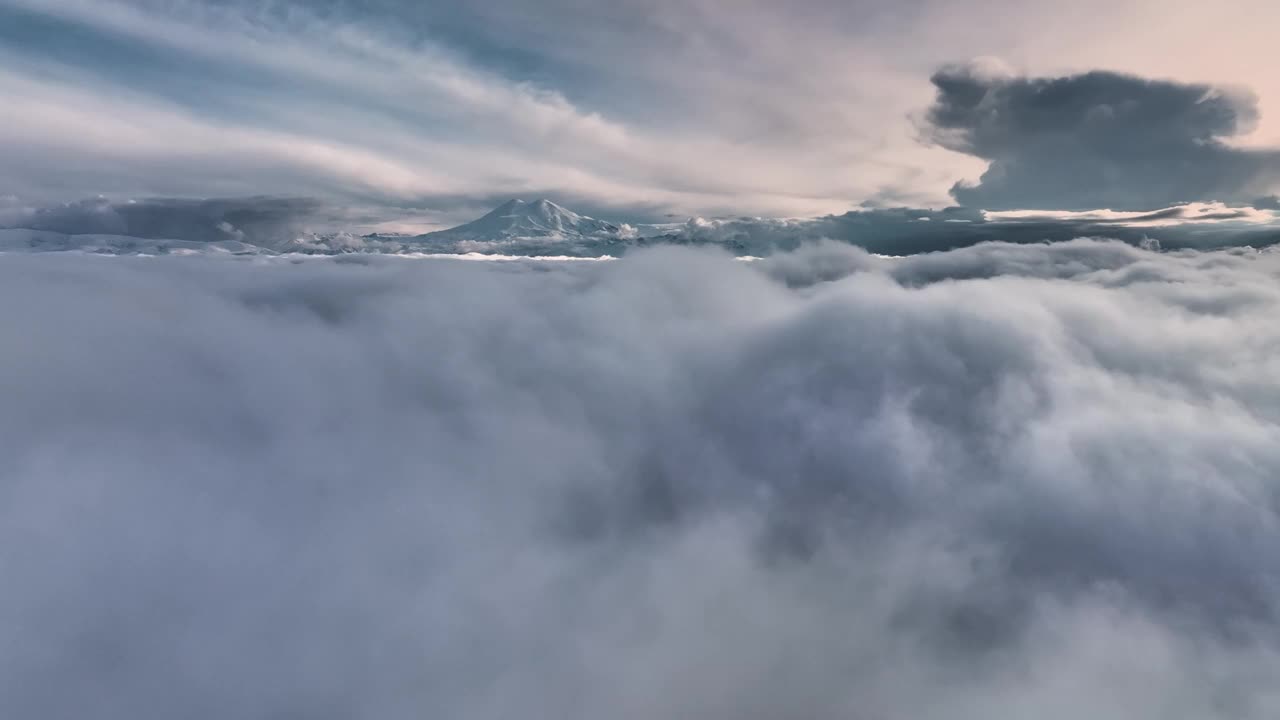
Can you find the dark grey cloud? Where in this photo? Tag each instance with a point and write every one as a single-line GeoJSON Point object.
{"type": "Point", "coordinates": [264, 221]}
{"type": "Point", "coordinates": [1098, 140]}
{"type": "Point", "coordinates": [825, 484]}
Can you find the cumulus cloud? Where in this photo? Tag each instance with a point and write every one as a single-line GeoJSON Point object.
{"type": "Point", "coordinates": [994, 482]}
{"type": "Point", "coordinates": [1098, 140]}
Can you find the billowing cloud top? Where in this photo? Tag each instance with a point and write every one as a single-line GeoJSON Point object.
{"type": "Point", "coordinates": [1098, 140]}
{"type": "Point", "coordinates": [1000, 482]}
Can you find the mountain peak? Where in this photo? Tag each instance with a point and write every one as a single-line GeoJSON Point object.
{"type": "Point", "coordinates": [511, 204]}
{"type": "Point", "coordinates": [517, 218]}
{"type": "Point", "coordinates": [519, 205]}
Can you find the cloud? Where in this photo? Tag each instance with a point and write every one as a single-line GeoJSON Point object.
{"type": "Point", "coordinates": [984, 483]}
{"type": "Point", "coordinates": [322, 100]}
{"type": "Point", "coordinates": [268, 222]}
{"type": "Point", "coordinates": [1098, 140]}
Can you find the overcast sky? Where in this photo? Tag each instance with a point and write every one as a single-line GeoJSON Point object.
{"type": "Point", "coordinates": [415, 114]}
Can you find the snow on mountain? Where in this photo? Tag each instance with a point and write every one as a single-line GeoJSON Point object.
{"type": "Point", "coordinates": [519, 219]}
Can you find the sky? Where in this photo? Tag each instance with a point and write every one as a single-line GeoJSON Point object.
{"type": "Point", "coordinates": [394, 115]}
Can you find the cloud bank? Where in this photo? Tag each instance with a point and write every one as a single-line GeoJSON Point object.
{"type": "Point", "coordinates": [910, 231]}
{"type": "Point", "coordinates": [268, 222]}
{"type": "Point", "coordinates": [1001, 481]}
{"type": "Point", "coordinates": [1098, 140]}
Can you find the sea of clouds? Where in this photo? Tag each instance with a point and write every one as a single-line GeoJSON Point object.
{"type": "Point", "coordinates": [1004, 481]}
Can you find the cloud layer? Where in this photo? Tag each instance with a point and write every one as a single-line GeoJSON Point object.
{"type": "Point", "coordinates": [994, 482]}
{"type": "Point", "coordinates": [1098, 140]}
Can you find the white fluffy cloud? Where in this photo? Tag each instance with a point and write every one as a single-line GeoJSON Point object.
{"type": "Point", "coordinates": [995, 482]}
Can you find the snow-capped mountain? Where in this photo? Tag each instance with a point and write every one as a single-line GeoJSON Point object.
{"type": "Point", "coordinates": [519, 219]}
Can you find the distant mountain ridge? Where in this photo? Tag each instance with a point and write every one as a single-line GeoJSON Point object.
{"type": "Point", "coordinates": [520, 219]}
{"type": "Point", "coordinates": [541, 228]}
{"type": "Point", "coordinates": [27, 240]}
